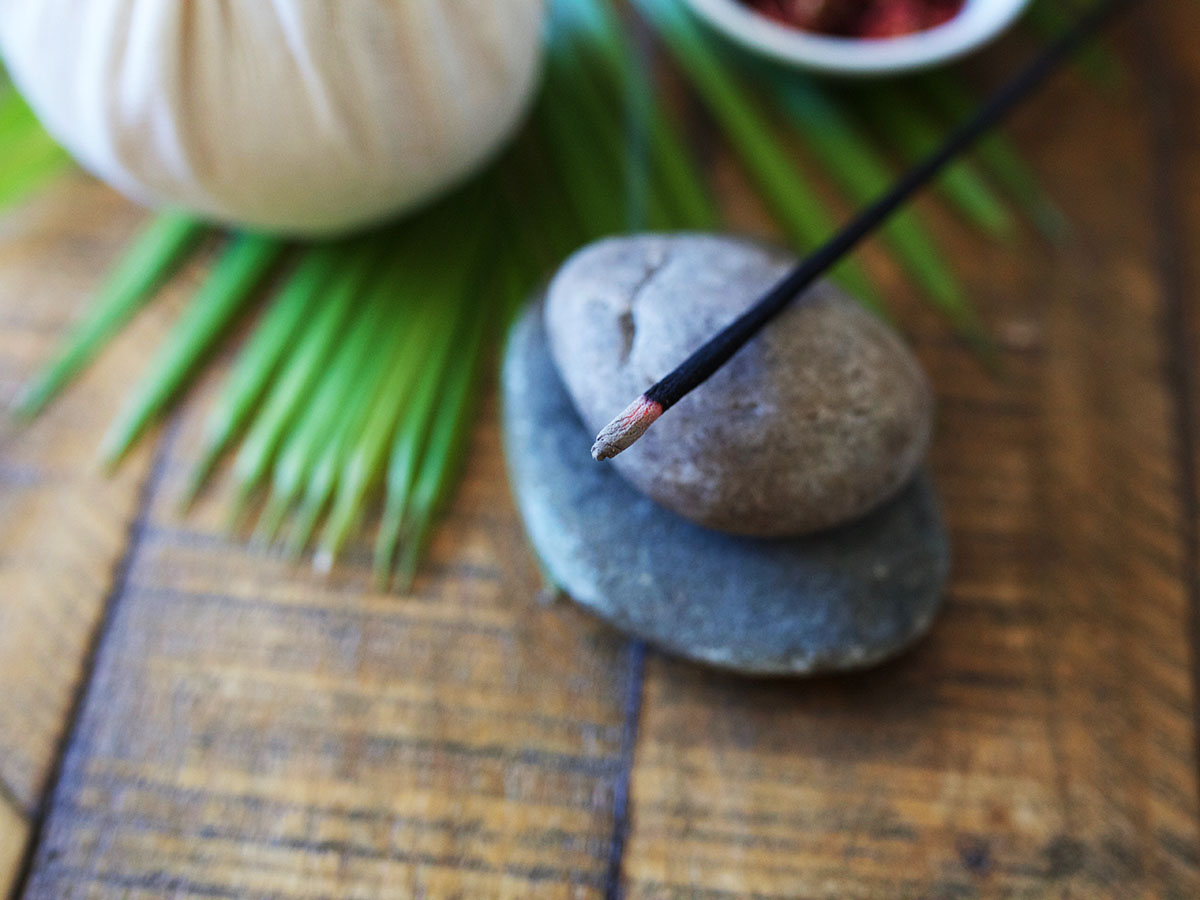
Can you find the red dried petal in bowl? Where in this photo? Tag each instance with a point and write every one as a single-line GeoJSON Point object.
{"type": "Point", "coordinates": [892, 18]}
{"type": "Point", "coordinates": [859, 18]}
{"type": "Point", "coordinates": [811, 15]}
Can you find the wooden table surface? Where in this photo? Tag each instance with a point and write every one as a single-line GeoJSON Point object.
{"type": "Point", "coordinates": [182, 717]}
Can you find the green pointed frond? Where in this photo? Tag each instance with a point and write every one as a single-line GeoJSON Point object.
{"type": "Point", "coordinates": [790, 195]}
{"type": "Point", "coordinates": [603, 50]}
{"type": "Point", "coordinates": [325, 348]}
{"type": "Point", "coordinates": [433, 295]}
{"type": "Point", "coordinates": [155, 254]}
{"type": "Point", "coordinates": [898, 118]}
{"type": "Point", "coordinates": [994, 152]}
{"type": "Point", "coordinates": [240, 270]}
{"type": "Point", "coordinates": [863, 176]}
{"type": "Point", "coordinates": [28, 156]}
{"type": "Point", "coordinates": [443, 455]}
{"type": "Point", "coordinates": [264, 351]}
{"type": "Point", "coordinates": [1050, 18]}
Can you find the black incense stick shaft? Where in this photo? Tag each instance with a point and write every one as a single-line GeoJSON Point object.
{"type": "Point", "coordinates": [693, 371]}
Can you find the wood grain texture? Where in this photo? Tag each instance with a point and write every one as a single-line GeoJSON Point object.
{"type": "Point", "coordinates": [251, 730]}
{"type": "Point", "coordinates": [63, 524]}
{"type": "Point", "coordinates": [254, 729]}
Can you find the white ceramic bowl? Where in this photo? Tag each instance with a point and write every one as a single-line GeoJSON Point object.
{"type": "Point", "coordinates": [979, 22]}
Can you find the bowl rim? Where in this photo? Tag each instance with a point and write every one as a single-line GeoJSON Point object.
{"type": "Point", "coordinates": [979, 22]}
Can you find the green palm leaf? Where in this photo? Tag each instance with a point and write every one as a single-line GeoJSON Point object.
{"type": "Point", "coordinates": [155, 254]}
{"type": "Point", "coordinates": [239, 271]}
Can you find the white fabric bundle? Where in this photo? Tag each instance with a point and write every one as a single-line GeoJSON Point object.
{"type": "Point", "coordinates": [303, 116]}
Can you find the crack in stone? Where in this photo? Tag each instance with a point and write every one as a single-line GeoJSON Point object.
{"type": "Point", "coordinates": [627, 320]}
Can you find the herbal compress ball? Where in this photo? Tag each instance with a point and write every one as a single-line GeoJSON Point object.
{"type": "Point", "coordinates": [301, 116]}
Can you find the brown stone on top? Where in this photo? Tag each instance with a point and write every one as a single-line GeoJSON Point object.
{"type": "Point", "coordinates": [819, 419]}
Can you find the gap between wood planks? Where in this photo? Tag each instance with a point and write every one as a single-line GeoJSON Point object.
{"type": "Point", "coordinates": [38, 817]}
{"type": "Point", "coordinates": [704, 140]}
{"type": "Point", "coordinates": [1176, 319]}
{"type": "Point", "coordinates": [635, 678]}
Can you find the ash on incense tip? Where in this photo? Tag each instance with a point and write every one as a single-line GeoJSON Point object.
{"type": "Point", "coordinates": [621, 433]}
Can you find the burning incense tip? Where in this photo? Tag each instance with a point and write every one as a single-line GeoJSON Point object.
{"type": "Point", "coordinates": [621, 432]}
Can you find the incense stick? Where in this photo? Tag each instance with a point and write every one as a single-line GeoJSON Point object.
{"type": "Point", "coordinates": [636, 418]}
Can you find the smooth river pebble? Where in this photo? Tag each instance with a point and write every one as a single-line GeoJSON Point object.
{"type": "Point", "coordinates": [821, 418]}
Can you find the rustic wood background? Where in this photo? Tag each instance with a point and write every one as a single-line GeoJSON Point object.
{"type": "Point", "coordinates": [180, 717]}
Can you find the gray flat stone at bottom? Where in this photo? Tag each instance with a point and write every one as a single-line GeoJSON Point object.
{"type": "Point", "coordinates": [838, 600]}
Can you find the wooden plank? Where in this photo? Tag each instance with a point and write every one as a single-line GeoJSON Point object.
{"type": "Point", "coordinates": [1041, 742]}
{"type": "Point", "coordinates": [63, 524]}
{"type": "Point", "coordinates": [254, 729]}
